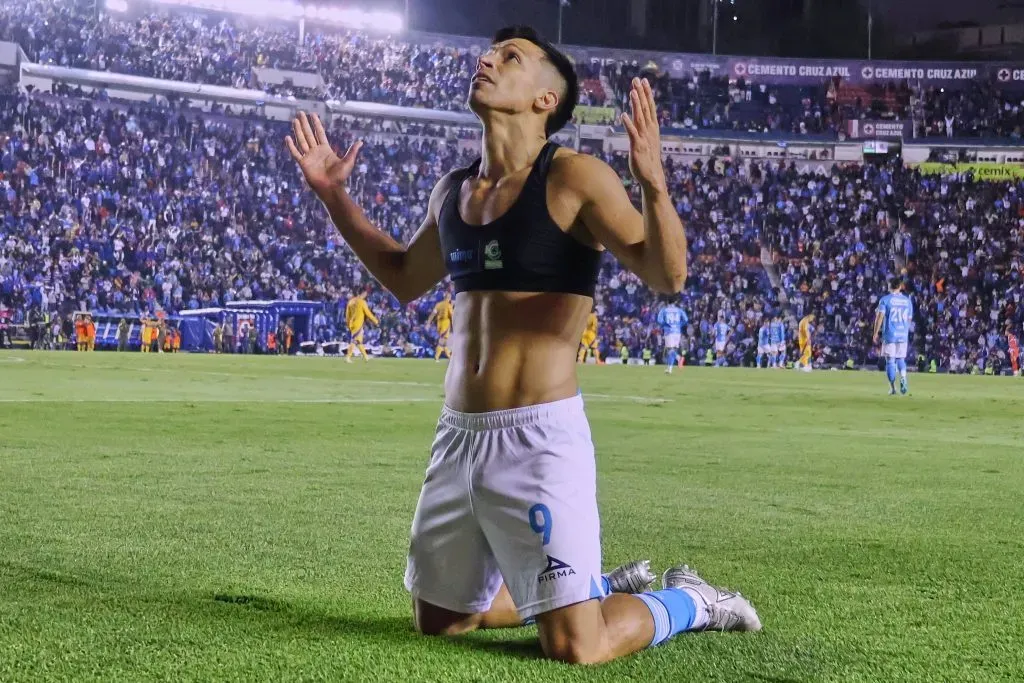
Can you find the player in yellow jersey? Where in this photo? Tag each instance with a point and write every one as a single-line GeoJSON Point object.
{"type": "Point", "coordinates": [589, 340]}
{"type": "Point", "coordinates": [147, 339]}
{"type": "Point", "coordinates": [442, 316]}
{"type": "Point", "coordinates": [356, 314]}
{"type": "Point", "coordinates": [806, 329]}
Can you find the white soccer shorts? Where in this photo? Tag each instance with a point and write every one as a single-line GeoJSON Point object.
{"type": "Point", "coordinates": [764, 348]}
{"type": "Point", "coordinates": [720, 347]}
{"type": "Point", "coordinates": [672, 341]}
{"type": "Point", "coordinates": [897, 350]}
{"type": "Point", "coordinates": [509, 495]}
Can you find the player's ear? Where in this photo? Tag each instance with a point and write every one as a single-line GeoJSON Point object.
{"type": "Point", "coordinates": [547, 100]}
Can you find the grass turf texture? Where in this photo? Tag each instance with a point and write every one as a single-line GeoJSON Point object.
{"type": "Point", "coordinates": [243, 518]}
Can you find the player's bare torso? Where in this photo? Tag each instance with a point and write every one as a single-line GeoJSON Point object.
{"type": "Point", "coordinates": [513, 349]}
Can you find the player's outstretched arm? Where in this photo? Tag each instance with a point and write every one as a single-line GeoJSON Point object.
{"type": "Point", "coordinates": [652, 244]}
{"type": "Point", "coordinates": [407, 271]}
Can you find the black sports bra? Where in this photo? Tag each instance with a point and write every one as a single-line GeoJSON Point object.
{"type": "Point", "coordinates": [522, 251]}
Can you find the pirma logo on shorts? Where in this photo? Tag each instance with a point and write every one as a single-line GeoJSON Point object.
{"type": "Point", "coordinates": [556, 569]}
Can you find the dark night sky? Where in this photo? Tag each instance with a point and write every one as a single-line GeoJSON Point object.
{"type": "Point", "coordinates": [899, 14]}
{"type": "Point", "coordinates": [922, 14]}
{"type": "Point", "coordinates": [605, 22]}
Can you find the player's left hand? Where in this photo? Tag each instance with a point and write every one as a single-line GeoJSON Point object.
{"type": "Point", "coordinates": [644, 137]}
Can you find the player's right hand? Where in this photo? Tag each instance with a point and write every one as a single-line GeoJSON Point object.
{"type": "Point", "coordinates": [323, 169]}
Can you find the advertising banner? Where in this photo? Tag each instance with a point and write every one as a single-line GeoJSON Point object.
{"type": "Point", "coordinates": [981, 170]}
{"type": "Point", "coordinates": [781, 70]}
{"type": "Point", "coordinates": [594, 115]}
{"type": "Point", "coordinates": [880, 128]}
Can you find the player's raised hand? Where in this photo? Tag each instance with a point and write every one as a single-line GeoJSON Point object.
{"type": "Point", "coordinates": [644, 137]}
{"type": "Point", "coordinates": [323, 169]}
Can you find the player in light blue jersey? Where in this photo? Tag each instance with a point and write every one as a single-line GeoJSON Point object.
{"type": "Point", "coordinates": [764, 344]}
{"type": "Point", "coordinates": [777, 340]}
{"type": "Point", "coordinates": [722, 333]}
{"type": "Point", "coordinates": [892, 319]}
{"type": "Point", "coordinates": [672, 320]}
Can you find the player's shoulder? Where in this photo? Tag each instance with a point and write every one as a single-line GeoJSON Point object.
{"type": "Point", "coordinates": [581, 171]}
{"type": "Point", "coordinates": [443, 186]}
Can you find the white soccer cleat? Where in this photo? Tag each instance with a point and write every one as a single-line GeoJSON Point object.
{"type": "Point", "coordinates": [633, 577]}
{"type": "Point", "coordinates": [727, 611]}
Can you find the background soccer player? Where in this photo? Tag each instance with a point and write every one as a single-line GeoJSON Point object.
{"type": "Point", "coordinates": [764, 344]}
{"type": "Point", "coordinates": [805, 334]}
{"type": "Point", "coordinates": [588, 342]}
{"type": "Point", "coordinates": [1013, 348]}
{"type": "Point", "coordinates": [357, 312]}
{"type": "Point", "coordinates": [672, 320]}
{"type": "Point", "coordinates": [892, 319]}
{"type": "Point", "coordinates": [777, 335]}
{"type": "Point", "coordinates": [442, 316]}
{"type": "Point", "coordinates": [722, 334]}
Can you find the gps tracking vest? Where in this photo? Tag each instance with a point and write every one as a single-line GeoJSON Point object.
{"type": "Point", "coordinates": [522, 251]}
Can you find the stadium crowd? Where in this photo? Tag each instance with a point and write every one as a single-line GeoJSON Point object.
{"type": "Point", "coordinates": [225, 50]}
{"type": "Point", "coordinates": [142, 209]}
{"type": "Point", "coordinates": [147, 208]}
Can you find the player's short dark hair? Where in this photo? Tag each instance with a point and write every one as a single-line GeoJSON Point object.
{"type": "Point", "coordinates": [563, 113]}
{"type": "Point", "coordinates": [895, 282]}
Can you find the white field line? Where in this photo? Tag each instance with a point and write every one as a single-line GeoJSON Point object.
{"type": "Point", "coordinates": [40, 399]}
{"type": "Point", "coordinates": [396, 399]}
{"type": "Point", "coordinates": [244, 375]}
{"type": "Point", "coordinates": [634, 399]}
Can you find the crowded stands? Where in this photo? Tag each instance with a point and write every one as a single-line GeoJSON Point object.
{"type": "Point", "coordinates": [225, 50]}
{"type": "Point", "coordinates": [146, 209]}
{"type": "Point", "coordinates": [354, 66]}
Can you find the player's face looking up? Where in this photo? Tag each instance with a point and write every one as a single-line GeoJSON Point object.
{"type": "Point", "coordinates": [513, 77]}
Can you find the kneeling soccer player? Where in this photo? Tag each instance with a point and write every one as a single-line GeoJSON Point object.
{"type": "Point", "coordinates": [506, 529]}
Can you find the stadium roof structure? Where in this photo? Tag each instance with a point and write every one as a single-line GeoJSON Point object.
{"type": "Point", "coordinates": [282, 306]}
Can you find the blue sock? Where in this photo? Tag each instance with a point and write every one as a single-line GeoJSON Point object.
{"type": "Point", "coordinates": [759, 357]}
{"type": "Point", "coordinates": [901, 365]}
{"type": "Point", "coordinates": [672, 357]}
{"type": "Point", "coordinates": [674, 611]}
{"type": "Point", "coordinates": [890, 370]}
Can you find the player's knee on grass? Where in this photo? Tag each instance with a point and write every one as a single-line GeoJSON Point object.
{"type": "Point", "coordinates": [431, 620]}
{"type": "Point", "coordinates": [574, 634]}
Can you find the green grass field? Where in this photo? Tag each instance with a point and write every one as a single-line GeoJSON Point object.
{"type": "Point", "coordinates": [210, 518]}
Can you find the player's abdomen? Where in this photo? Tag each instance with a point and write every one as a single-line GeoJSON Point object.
{"type": "Point", "coordinates": [512, 350]}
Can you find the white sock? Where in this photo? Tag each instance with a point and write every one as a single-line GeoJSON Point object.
{"type": "Point", "coordinates": [700, 620]}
